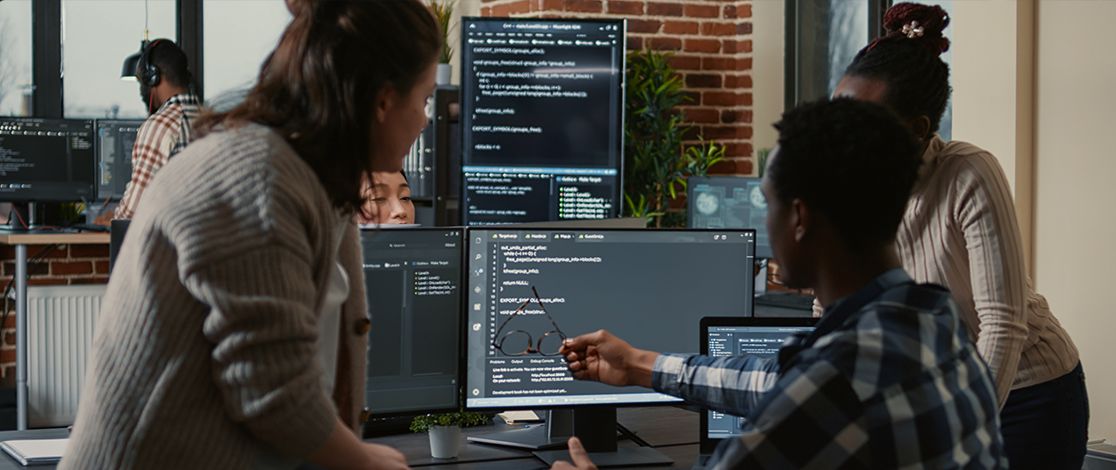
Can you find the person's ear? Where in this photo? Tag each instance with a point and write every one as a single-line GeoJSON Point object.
{"type": "Point", "coordinates": [800, 219]}
{"type": "Point", "coordinates": [920, 126]}
{"type": "Point", "coordinates": [385, 102]}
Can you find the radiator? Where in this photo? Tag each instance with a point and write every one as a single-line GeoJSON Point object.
{"type": "Point", "coordinates": [60, 321]}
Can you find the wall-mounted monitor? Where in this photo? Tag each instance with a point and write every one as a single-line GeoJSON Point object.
{"type": "Point", "coordinates": [542, 115]}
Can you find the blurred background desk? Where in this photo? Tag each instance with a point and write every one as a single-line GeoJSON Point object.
{"type": "Point", "coordinates": [20, 241]}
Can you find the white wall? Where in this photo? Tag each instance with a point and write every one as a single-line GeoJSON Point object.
{"type": "Point", "coordinates": [984, 77]}
{"type": "Point", "coordinates": [464, 8]}
{"type": "Point", "coordinates": [768, 66]}
{"type": "Point", "coordinates": [1075, 166]}
{"type": "Point", "coordinates": [993, 91]}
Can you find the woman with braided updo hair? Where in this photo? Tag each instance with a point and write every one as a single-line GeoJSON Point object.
{"type": "Point", "coordinates": [960, 230]}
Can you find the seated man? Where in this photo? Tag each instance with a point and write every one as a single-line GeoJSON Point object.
{"type": "Point", "coordinates": [889, 378]}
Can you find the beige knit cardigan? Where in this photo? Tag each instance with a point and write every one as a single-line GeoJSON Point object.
{"type": "Point", "coordinates": [205, 353]}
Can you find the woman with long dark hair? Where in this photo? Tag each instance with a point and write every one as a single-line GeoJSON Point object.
{"type": "Point", "coordinates": [960, 231]}
{"type": "Point", "coordinates": [234, 327]}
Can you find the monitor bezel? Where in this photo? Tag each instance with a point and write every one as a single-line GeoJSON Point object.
{"type": "Point", "coordinates": [618, 195]}
{"type": "Point", "coordinates": [463, 379]}
{"type": "Point", "coordinates": [98, 157]}
{"type": "Point", "coordinates": [95, 162]}
{"type": "Point", "coordinates": [459, 400]}
{"type": "Point", "coordinates": [693, 181]}
{"type": "Point", "coordinates": [707, 445]}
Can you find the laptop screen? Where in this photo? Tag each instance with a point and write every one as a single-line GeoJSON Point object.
{"type": "Point", "coordinates": [757, 340]}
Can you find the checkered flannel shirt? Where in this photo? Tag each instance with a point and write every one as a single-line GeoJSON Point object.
{"type": "Point", "coordinates": [161, 136]}
{"type": "Point", "coordinates": [888, 379]}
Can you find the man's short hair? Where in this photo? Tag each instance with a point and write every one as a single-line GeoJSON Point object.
{"type": "Point", "coordinates": [853, 162]}
{"type": "Point", "coordinates": [172, 63]}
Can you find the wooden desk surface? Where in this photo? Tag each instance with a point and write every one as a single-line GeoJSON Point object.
{"type": "Point", "coordinates": [670, 430]}
{"type": "Point", "coordinates": [80, 238]}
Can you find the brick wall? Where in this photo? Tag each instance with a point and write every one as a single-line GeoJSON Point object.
{"type": "Point", "coordinates": [712, 45]}
{"type": "Point", "coordinates": [54, 265]}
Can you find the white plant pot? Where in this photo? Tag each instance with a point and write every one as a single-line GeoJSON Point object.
{"type": "Point", "coordinates": [445, 441]}
{"type": "Point", "coordinates": [444, 74]}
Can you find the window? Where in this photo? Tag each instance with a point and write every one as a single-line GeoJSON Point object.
{"type": "Point", "coordinates": [96, 37]}
{"type": "Point", "coordinates": [234, 50]}
{"type": "Point", "coordinates": [826, 35]}
{"type": "Point", "coordinates": [15, 58]}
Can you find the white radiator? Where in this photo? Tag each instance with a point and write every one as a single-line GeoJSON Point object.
{"type": "Point", "coordinates": [60, 321]}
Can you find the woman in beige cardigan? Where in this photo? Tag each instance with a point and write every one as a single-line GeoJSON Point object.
{"type": "Point", "coordinates": [234, 326]}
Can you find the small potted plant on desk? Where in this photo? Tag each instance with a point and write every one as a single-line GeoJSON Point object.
{"type": "Point", "coordinates": [445, 430]}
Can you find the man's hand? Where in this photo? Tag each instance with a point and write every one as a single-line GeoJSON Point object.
{"type": "Point", "coordinates": [602, 357]}
{"type": "Point", "coordinates": [578, 455]}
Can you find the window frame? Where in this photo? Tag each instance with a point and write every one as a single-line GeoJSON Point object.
{"type": "Point", "coordinates": [792, 95]}
{"type": "Point", "coordinates": [47, 100]}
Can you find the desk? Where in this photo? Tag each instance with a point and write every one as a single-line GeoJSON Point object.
{"type": "Point", "coordinates": [21, 241]}
{"type": "Point", "coordinates": [672, 431]}
{"type": "Point", "coordinates": [8, 463]}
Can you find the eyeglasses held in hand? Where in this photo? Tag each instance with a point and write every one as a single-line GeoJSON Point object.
{"type": "Point", "coordinates": [522, 343]}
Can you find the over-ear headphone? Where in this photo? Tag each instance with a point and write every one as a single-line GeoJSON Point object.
{"type": "Point", "coordinates": [149, 73]}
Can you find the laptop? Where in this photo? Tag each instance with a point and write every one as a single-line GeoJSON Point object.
{"type": "Point", "coordinates": [734, 336]}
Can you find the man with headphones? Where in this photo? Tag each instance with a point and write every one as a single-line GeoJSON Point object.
{"type": "Point", "coordinates": [165, 81]}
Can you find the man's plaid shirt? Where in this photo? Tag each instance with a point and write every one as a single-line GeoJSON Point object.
{"type": "Point", "coordinates": [161, 136]}
{"type": "Point", "coordinates": [889, 379]}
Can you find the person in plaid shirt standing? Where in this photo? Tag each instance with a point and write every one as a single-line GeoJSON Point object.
{"type": "Point", "coordinates": [889, 378]}
{"type": "Point", "coordinates": [165, 80]}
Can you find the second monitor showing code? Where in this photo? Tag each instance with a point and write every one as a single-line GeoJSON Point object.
{"type": "Point", "coordinates": [628, 282]}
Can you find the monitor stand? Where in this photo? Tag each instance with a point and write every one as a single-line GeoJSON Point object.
{"type": "Point", "coordinates": [32, 221]}
{"type": "Point", "coordinates": [595, 426]}
{"type": "Point", "coordinates": [761, 277]}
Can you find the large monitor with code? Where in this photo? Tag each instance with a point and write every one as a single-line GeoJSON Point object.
{"type": "Point", "coordinates": [412, 281]}
{"type": "Point", "coordinates": [719, 202]}
{"type": "Point", "coordinates": [115, 141]}
{"type": "Point", "coordinates": [47, 160]}
{"type": "Point", "coordinates": [725, 337]}
{"type": "Point", "coordinates": [542, 113]}
{"type": "Point", "coordinates": [649, 287]}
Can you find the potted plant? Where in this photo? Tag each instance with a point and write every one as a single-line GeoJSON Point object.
{"type": "Point", "coordinates": [761, 161]}
{"type": "Point", "coordinates": [445, 430]}
{"type": "Point", "coordinates": [657, 159]}
{"type": "Point", "coordinates": [443, 14]}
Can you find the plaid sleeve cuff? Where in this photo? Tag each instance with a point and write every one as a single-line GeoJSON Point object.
{"type": "Point", "coordinates": [667, 373]}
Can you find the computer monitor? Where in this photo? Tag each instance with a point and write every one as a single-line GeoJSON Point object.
{"type": "Point", "coordinates": [115, 140]}
{"type": "Point", "coordinates": [735, 336]}
{"type": "Point", "coordinates": [542, 115]}
{"type": "Point", "coordinates": [412, 281]}
{"type": "Point", "coordinates": [47, 160]}
{"type": "Point", "coordinates": [649, 287]}
{"type": "Point", "coordinates": [719, 202]}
